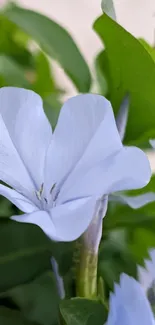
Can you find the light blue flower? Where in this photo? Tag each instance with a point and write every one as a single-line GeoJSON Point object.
{"type": "Point", "coordinates": [58, 179]}
{"type": "Point", "coordinates": [128, 304]}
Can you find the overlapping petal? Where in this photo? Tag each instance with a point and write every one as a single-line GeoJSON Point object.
{"type": "Point", "coordinates": [23, 203]}
{"type": "Point", "coordinates": [86, 133]}
{"type": "Point", "coordinates": [64, 222]}
{"type": "Point", "coordinates": [135, 202]}
{"type": "Point", "coordinates": [127, 169]}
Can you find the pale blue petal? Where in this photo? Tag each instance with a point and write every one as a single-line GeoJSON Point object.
{"type": "Point", "coordinates": [86, 133]}
{"type": "Point", "coordinates": [147, 275]}
{"type": "Point", "coordinates": [134, 202]}
{"type": "Point", "coordinates": [73, 218]}
{"type": "Point", "coordinates": [129, 305]}
{"type": "Point", "coordinates": [23, 203]}
{"type": "Point", "coordinates": [152, 143]}
{"type": "Point", "coordinates": [65, 222]}
{"type": "Point", "coordinates": [29, 130]}
{"type": "Point", "coordinates": [122, 117]}
{"type": "Point", "coordinates": [128, 169]}
{"type": "Point", "coordinates": [12, 169]}
{"type": "Point", "coordinates": [92, 236]}
{"type": "Point", "coordinates": [152, 256]}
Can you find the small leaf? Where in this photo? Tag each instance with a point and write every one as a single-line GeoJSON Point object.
{"type": "Point", "coordinates": [79, 311]}
{"type": "Point", "coordinates": [24, 253]}
{"type": "Point", "coordinates": [38, 300]}
{"type": "Point", "coordinates": [108, 7]}
{"type": "Point", "coordinates": [132, 71]}
{"type": "Point", "coordinates": [55, 41]}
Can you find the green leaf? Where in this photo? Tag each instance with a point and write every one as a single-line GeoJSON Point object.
{"type": "Point", "coordinates": [115, 258]}
{"type": "Point", "coordinates": [55, 41]}
{"type": "Point", "coordinates": [44, 84]}
{"type": "Point", "coordinates": [52, 107]}
{"type": "Point", "coordinates": [141, 240]}
{"type": "Point", "coordinates": [132, 70]}
{"type": "Point", "coordinates": [12, 317]}
{"type": "Point", "coordinates": [148, 47]}
{"type": "Point", "coordinates": [38, 300]}
{"type": "Point", "coordinates": [12, 73]}
{"type": "Point", "coordinates": [12, 43]}
{"type": "Point", "coordinates": [102, 73]}
{"type": "Point", "coordinates": [24, 253]}
{"type": "Point", "coordinates": [79, 311]}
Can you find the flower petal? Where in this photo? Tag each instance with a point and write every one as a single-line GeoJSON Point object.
{"type": "Point", "coordinates": [73, 218]}
{"type": "Point", "coordinates": [17, 199]}
{"type": "Point", "coordinates": [86, 132]}
{"type": "Point", "coordinates": [129, 305]}
{"type": "Point", "coordinates": [147, 275]}
{"type": "Point", "coordinates": [12, 169]}
{"type": "Point", "coordinates": [27, 125]}
{"type": "Point", "coordinates": [128, 169]}
{"type": "Point", "coordinates": [134, 202]}
{"type": "Point", "coordinates": [122, 117]}
{"type": "Point", "coordinates": [65, 222]}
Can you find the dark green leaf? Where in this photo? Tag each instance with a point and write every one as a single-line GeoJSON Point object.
{"type": "Point", "coordinates": [141, 240]}
{"type": "Point", "coordinates": [38, 301]}
{"type": "Point", "coordinates": [24, 253]}
{"type": "Point", "coordinates": [55, 41]}
{"type": "Point", "coordinates": [132, 70]}
{"type": "Point", "coordinates": [52, 107]}
{"type": "Point", "coordinates": [115, 258]}
{"type": "Point", "coordinates": [79, 311]}
{"type": "Point", "coordinates": [12, 317]}
{"type": "Point", "coordinates": [102, 73]}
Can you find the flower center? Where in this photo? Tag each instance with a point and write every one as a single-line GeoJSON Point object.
{"type": "Point", "coordinates": [47, 203]}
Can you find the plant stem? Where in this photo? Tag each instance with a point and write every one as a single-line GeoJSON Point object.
{"type": "Point", "coordinates": [87, 275]}
{"type": "Point", "coordinates": [88, 258]}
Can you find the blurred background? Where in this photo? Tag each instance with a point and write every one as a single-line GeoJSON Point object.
{"type": "Point", "coordinates": [77, 16]}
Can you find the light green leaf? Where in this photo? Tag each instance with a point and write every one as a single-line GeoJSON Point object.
{"type": "Point", "coordinates": [55, 41]}
{"type": "Point", "coordinates": [79, 311]}
{"type": "Point", "coordinates": [43, 84]}
{"type": "Point", "coordinates": [132, 70]}
{"type": "Point", "coordinates": [12, 73]}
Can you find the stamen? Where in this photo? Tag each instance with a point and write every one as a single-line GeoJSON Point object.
{"type": "Point", "coordinates": [52, 188]}
{"type": "Point", "coordinates": [39, 193]}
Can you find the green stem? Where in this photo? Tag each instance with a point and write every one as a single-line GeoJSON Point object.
{"type": "Point", "coordinates": [87, 274]}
